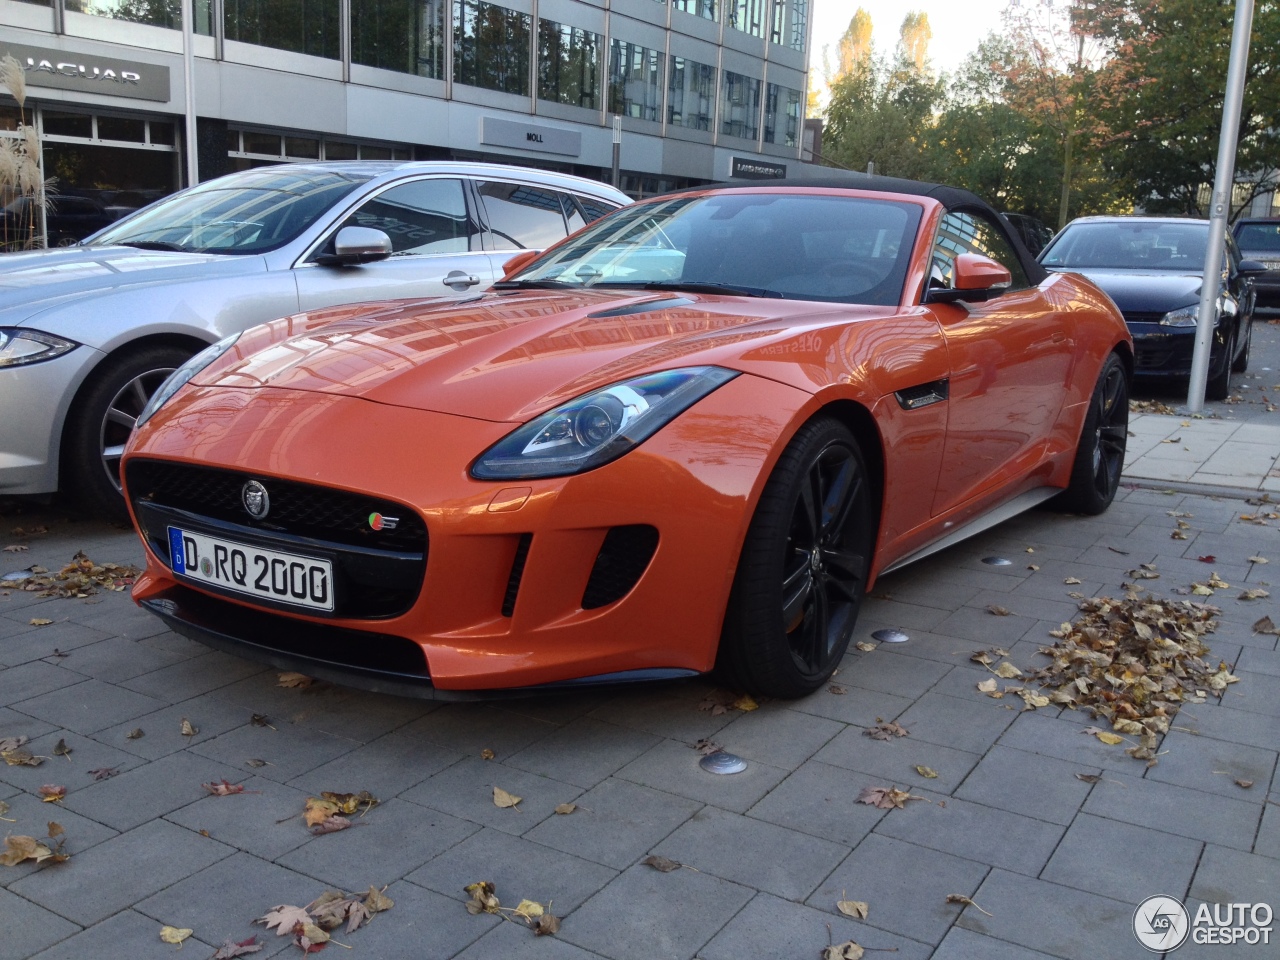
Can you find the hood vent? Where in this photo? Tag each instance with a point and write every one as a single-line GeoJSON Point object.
{"type": "Point", "coordinates": [666, 303]}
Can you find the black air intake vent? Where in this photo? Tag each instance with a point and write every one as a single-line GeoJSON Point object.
{"type": "Point", "coordinates": [624, 556]}
{"type": "Point", "coordinates": [517, 571]}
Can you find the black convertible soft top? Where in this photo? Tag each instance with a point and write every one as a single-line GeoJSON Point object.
{"type": "Point", "coordinates": [953, 198]}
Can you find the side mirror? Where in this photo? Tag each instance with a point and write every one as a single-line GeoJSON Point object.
{"type": "Point", "coordinates": [519, 262]}
{"type": "Point", "coordinates": [975, 278]}
{"type": "Point", "coordinates": [354, 245]}
{"type": "Point", "coordinates": [1251, 268]}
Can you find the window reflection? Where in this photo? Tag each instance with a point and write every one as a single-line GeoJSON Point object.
{"type": "Point", "coordinates": [568, 65]}
{"type": "Point", "coordinates": [406, 36]}
{"type": "Point", "coordinates": [158, 13]}
{"type": "Point", "coordinates": [748, 16]}
{"type": "Point", "coordinates": [790, 21]}
{"type": "Point", "coordinates": [635, 74]}
{"type": "Point", "coordinates": [424, 216]}
{"type": "Point", "coordinates": [516, 211]}
{"type": "Point", "coordinates": [699, 8]}
{"type": "Point", "coordinates": [781, 115]}
{"type": "Point", "coordinates": [741, 101]}
{"type": "Point", "coordinates": [302, 26]}
{"type": "Point", "coordinates": [691, 102]}
{"type": "Point", "coordinates": [491, 47]}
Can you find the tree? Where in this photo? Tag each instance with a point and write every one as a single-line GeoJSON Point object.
{"type": "Point", "coordinates": [854, 48]}
{"type": "Point", "coordinates": [913, 42]}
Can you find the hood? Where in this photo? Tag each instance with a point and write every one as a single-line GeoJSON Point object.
{"type": "Point", "coordinates": [32, 282]}
{"type": "Point", "coordinates": [1145, 291]}
{"type": "Point", "coordinates": [506, 357]}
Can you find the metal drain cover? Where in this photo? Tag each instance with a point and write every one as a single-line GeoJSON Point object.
{"type": "Point", "coordinates": [721, 762]}
{"type": "Point", "coordinates": [997, 561]}
{"type": "Point", "coordinates": [890, 636]}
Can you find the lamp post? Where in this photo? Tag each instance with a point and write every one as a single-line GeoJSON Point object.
{"type": "Point", "coordinates": [188, 83]}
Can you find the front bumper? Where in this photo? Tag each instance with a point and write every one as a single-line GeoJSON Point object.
{"type": "Point", "coordinates": [34, 399]}
{"type": "Point", "coordinates": [1166, 352]}
{"type": "Point", "coordinates": [506, 599]}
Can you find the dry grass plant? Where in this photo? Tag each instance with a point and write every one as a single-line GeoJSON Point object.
{"type": "Point", "coordinates": [24, 192]}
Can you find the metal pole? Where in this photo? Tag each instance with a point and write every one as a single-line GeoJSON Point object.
{"type": "Point", "coordinates": [188, 82]}
{"type": "Point", "coordinates": [617, 149]}
{"type": "Point", "coordinates": [1220, 205]}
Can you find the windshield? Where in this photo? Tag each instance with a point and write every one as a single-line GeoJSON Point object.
{"type": "Point", "coordinates": [1263, 237]}
{"type": "Point", "coordinates": [248, 213]}
{"type": "Point", "coordinates": [1175, 245]}
{"type": "Point", "coordinates": [803, 247]}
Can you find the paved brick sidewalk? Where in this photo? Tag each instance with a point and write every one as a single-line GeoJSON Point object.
{"type": "Point", "coordinates": [1059, 862]}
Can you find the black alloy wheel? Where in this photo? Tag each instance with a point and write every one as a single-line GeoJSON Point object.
{"type": "Point", "coordinates": [803, 570]}
{"type": "Point", "coordinates": [1095, 475]}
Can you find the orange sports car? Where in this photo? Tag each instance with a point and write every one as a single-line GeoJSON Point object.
{"type": "Point", "coordinates": [687, 438]}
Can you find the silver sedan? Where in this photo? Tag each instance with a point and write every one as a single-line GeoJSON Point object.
{"type": "Point", "coordinates": [88, 333]}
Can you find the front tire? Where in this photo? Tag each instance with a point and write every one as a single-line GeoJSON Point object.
{"type": "Point", "coordinates": [1095, 474]}
{"type": "Point", "coordinates": [1219, 387]}
{"type": "Point", "coordinates": [100, 422]}
{"type": "Point", "coordinates": [1241, 363]}
{"type": "Point", "coordinates": [803, 570]}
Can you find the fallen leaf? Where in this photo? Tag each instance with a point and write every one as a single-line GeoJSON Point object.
{"type": "Point", "coordinates": [282, 919]}
{"type": "Point", "coordinates": [1254, 594]}
{"type": "Point", "coordinates": [21, 758]}
{"type": "Point", "coordinates": [104, 773]}
{"type": "Point", "coordinates": [60, 749]}
{"type": "Point", "coordinates": [256, 763]}
{"type": "Point", "coordinates": [15, 548]}
{"type": "Point", "coordinates": [223, 788]}
{"type": "Point", "coordinates": [1178, 535]}
{"type": "Point", "coordinates": [988, 686]}
{"type": "Point", "coordinates": [294, 680]}
{"type": "Point", "coordinates": [1033, 567]}
{"type": "Point", "coordinates": [1105, 736]}
{"type": "Point", "coordinates": [662, 864]}
{"type": "Point", "coordinates": [1208, 558]}
{"type": "Point", "coordinates": [331, 824]}
{"type": "Point", "coordinates": [134, 734]}
{"type": "Point", "coordinates": [997, 610]}
{"type": "Point", "coordinates": [1007, 670]}
{"type": "Point", "coordinates": [307, 935]}
{"type": "Point", "coordinates": [565, 809]}
{"type": "Point", "coordinates": [1089, 777]}
{"type": "Point", "coordinates": [843, 951]}
{"type": "Point", "coordinates": [231, 949]}
{"type": "Point", "coordinates": [927, 772]}
{"type": "Point", "coordinates": [175, 934]}
{"type": "Point", "coordinates": [484, 897]}
{"type": "Point", "coordinates": [864, 646]}
{"type": "Point", "coordinates": [40, 621]}
{"type": "Point", "coordinates": [187, 729]}
{"type": "Point", "coordinates": [1266, 626]}
{"type": "Point", "coordinates": [1244, 784]}
{"type": "Point", "coordinates": [52, 793]}
{"type": "Point", "coordinates": [886, 731]}
{"type": "Point", "coordinates": [317, 810]}
{"type": "Point", "coordinates": [1072, 580]}
{"type": "Point", "coordinates": [547, 925]}
{"type": "Point", "coordinates": [853, 908]}
{"type": "Point", "coordinates": [886, 798]}
{"type": "Point", "coordinates": [377, 901]}
{"type": "Point", "coordinates": [11, 743]}
{"type": "Point", "coordinates": [745, 703]}
{"type": "Point", "coordinates": [529, 909]}
{"type": "Point", "coordinates": [18, 848]}
{"type": "Point", "coordinates": [706, 746]}
{"type": "Point", "coordinates": [486, 754]}
{"type": "Point", "coordinates": [838, 689]}
{"type": "Point", "coordinates": [349, 803]}
{"type": "Point", "coordinates": [1258, 560]}
{"type": "Point", "coordinates": [960, 898]}
{"type": "Point", "coordinates": [503, 799]}
{"type": "Point", "coordinates": [261, 720]}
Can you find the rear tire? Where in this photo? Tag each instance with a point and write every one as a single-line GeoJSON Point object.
{"type": "Point", "coordinates": [803, 570]}
{"type": "Point", "coordinates": [100, 422]}
{"type": "Point", "coordinates": [1095, 474]}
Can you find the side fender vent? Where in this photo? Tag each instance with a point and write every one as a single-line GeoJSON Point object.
{"type": "Point", "coordinates": [517, 571]}
{"type": "Point", "coordinates": [624, 556]}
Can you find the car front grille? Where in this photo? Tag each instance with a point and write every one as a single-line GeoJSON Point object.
{"type": "Point", "coordinates": [377, 573]}
{"type": "Point", "coordinates": [1135, 317]}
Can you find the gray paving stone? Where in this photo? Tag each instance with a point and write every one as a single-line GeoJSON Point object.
{"type": "Point", "coordinates": [770, 927]}
{"type": "Point", "coordinates": [162, 730]}
{"type": "Point", "coordinates": [157, 854]}
{"type": "Point", "coordinates": [562, 708]}
{"type": "Point", "coordinates": [895, 760]}
{"type": "Point", "coordinates": [125, 620]}
{"type": "Point", "coordinates": [117, 658]}
{"type": "Point", "coordinates": [921, 644]}
{"type": "Point", "coordinates": [1053, 610]}
{"type": "Point", "coordinates": [472, 727]}
{"type": "Point", "coordinates": [1056, 920]}
{"type": "Point", "coordinates": [422, 926]}
{"type": "Point", "coordinates": [71, 771]}
{"type": "Point", "coordinates": [33, 679]}
{"type": "Point", "coordinates": [14, 724]}
{"type": "Point", "coordinates": [782, 862]}
{"type": "Point", "coordinates": [975, 832]}
{"type": "Point", "coordinates": [289, 750]}
{"type": "Point", "coordinates": [511, 941]}
{"type": "Point", "coordinates": [898, 674]}
{"type": "Point", "coordinates": [616, 823]}
{"type": "Point", "coordinates": [820, 800]}
{"type": "Point", "coordinates": [1173, 809]}
{"type": "Point", "coordinates": [1233, 876]}
{"type": "Point", "coordinates": [28, 815]}
{"type": "Point", "coordinates": [265, 820]}
{"type": "Point", "coordinates": [143, 793]}
{"type": "Point", "coordinates": [1268, 842]}
{"type": "Point", "coordinates": [610, 925]}
{"type": "Point", "coordinates": [777, 736]}
{"type": "Point", "coordinates": [38, 643]}
{"type": "Point", "coordinates": [673, 767]}
{"type": "Point", "coordinates": [905, 588]}
{"type": "Point", "coordinates": [856, 705]}
{"type": "Point", "coordinates": [190, 678]}
{"type": "Point", "coordinates": [1119, 860]}
{"type": "Point", "coordinates": [905, 884]}
{"type": "Point", "coordinates": [519, 868]}
{"type": "Point", "coordinates": [385, 767]}
{"type": "Point", "coordinates": [88, 706]}
{"type": "Point", "coordinates": [962, 681]}
{"type": "Point", "coordinates": [904, 615]}
{"type": "Point", "coordinates": [957, 722]}
{"type": "Point", "coordinates": [583, 751]}
{"type": "Point", "coordinates": [1256, 693]}
{"type": "Point", "coordinates": [358, 714]}
{"type": "Point", "coordinates": [390, 841]}
{"type": "Point", "coordinates": [1224, 723]}
{"type": "Point", "coordinates": [983, 628]}
{"type": "Point", "coordinates": [126, 936]}
{"type": "Point", "coordinates": [1036, 732]}
{"type": "Point", "coordinates": [1043, 788]}
{"type": "Point", "coordinates": [961, 944]}
{"type": "Point", "coordinates": [1254, 660]}
{"type": "Point", "coordinates": [466, 790]}
{"type": "Point", "coordinates": [1214, 765]}
{"type": "Point", "coordinates": [663, 715]}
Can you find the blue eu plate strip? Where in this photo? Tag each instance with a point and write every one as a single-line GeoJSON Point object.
{"type": "Point", "coordinates": [177, 559]}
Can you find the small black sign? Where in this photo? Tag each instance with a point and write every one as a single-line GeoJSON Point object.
{"type": "Point", "coordinates": [745, 169]}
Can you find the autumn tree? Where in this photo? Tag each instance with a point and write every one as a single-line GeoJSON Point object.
{"type": "Point", "coordinates": [854, 48]}
{"type": "Point", "coordinates": [913, 40]}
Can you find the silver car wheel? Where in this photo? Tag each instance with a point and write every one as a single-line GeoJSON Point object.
{"type": "Point", "coordinates": [122, 414]}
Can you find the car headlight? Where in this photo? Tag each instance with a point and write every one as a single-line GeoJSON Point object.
{"type": "Point", "coordinates": [597, 427]}
{"type": "Point", "coordinates": [19, 346]}
{"type": "Point", "coordinates": [1185, 317]}
{"type": "Point", "coordinates": [180, 377]}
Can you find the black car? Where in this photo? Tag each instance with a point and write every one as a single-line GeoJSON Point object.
{"type": "Point", "coordinates": [1259, 239]}
{"type": "Point", "coordinates": [1034, 233]}
{"type": "Point", "coordinates": [69, 220]}
{"type": "Point", "coordinates": [1152, 268]}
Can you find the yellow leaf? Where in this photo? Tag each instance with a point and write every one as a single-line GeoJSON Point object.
{"type": "Point", "coordinates": [843, 951]}
{"type": "Point", "coordinates": [927, 772]}
{"type": "Point", "coordinates": [565, 809]}
{"type": "Point", "coordinates": [503, 799]}
{"type": "Point", "coordinates": [529, 909]}
{"type": "Point", "coordinates": [864, 646]}
{"type": "Point", "coordinates": [486, 754]}
{"type": "Point", "coordinates": [745, 703]}
{"type": "Point", "coordinates": [1072, 580]}
{"type": "Point", "coordinates": [1007, 670]}
{"type": "Point", "coordinates": [40, 622]}
{"type": "Point", "coordinates": [174, 934]}
{"type": "Point", "coordinates": [188, 729]}
{"type": "Point", "coordinates": [853, 908]}
{"type": "Point", "coordinates": [1110, 738]}
{"type": "Point", "coordinates": [317, 811]}
{"type": "Point", "coordinates": [988, 686]}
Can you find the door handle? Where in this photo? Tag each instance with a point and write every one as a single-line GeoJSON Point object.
{"type": "Point", "coordinates": [456, 278]}
{"type": "Point", "coordinates": [1058, 337]}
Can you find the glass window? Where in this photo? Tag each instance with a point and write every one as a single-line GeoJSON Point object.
{"type": "Point", "coordinates": [267, 144]}
{"type": "Point", "coordinates": [425, 216]}
{"type": "Point", "coordinates": [568, 65]}
{"type": "Point", "coordinates": [790, 21]}
{"type": "Point", "coordinates": [304, 148]}
{"type": "Point", "coordinates": [162, 132]}
{"type": "Point", "coordinates": [699, 8]}
{"type": "Point", "coordinates": [691, 101]}
{"type": "Point", "coordinates": [748, 16]}
{"type": "Point", "coordinates": [57, 124]}
{"type": "Point", "coordinates": [407, 36]}
{"type": "Point", "coordinates": [158, 13]}
{"type": "Point", "coordinates": [572, 215]}
{"type": "Point", "coordinates": [781, 115]}
{"type": "Point", "coordinates": [962, 232]}
{"type": "Point", "coordinates": [11, 118]}
{"type": "Point", "coordinates": [338, 150]}
{"type": "Point", "coordinates": [522, 217]}
{"type": "Point", "coordinates": [593, 208]}
{"type": "Point", "coordinates": [1259, 236]}
{"type": "Point", "coordinates": [370, 152]}
{"type": "Point", "coordinates": [303, 26]}
{"type": "Point", "coordinates": [1131, 245]}
{"type": "Point", "coordinates": [741, 101]}
{"type": "Point", "coordinates": [122, 128]}
{"type": "Point", "coordinates": [635, 77]}
{"type": "Point", "coordinates": [491, 47]}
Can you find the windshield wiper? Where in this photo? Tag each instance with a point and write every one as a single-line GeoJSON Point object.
{"type": "Point", "coordinates": [695, 286]}
{"type": "Point", "coordinates": [533, 285]}
{"type": "Point", "coordinates": [153, 245]}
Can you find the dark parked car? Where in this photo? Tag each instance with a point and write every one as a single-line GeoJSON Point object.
{"type": "Point", "coordinates": [1152, 268]}
{"type": "Point", "coordinates": [1259, 239]}
{"type": "Point", "coordinates": [1034, 233]}
{"type": "Point", "coordinates": [69, 220]}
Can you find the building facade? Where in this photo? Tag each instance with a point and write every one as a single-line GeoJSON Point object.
{"type": "Point", "coordinates": [705, 90]}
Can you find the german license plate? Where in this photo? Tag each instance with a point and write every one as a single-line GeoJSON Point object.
{"type": "Point", "coordinates": [252, 571]}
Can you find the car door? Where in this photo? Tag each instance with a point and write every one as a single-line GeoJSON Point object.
{"type": "Point", "coordinates": [522, 216]}
{"type": "Point", "coordinates": [1010, 358]}
{"type": "Point", "coordinates": [436, 248]}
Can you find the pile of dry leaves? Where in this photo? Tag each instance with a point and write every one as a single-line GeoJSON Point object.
{"type": "Point", "coordinates": [484, 899]}
{"type": "Point", "coordinates": [1132, 661]}
{"type": "Point", "coordinates": [79, 578]}
{"type": "Point", "coordinates": [310, 925]}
